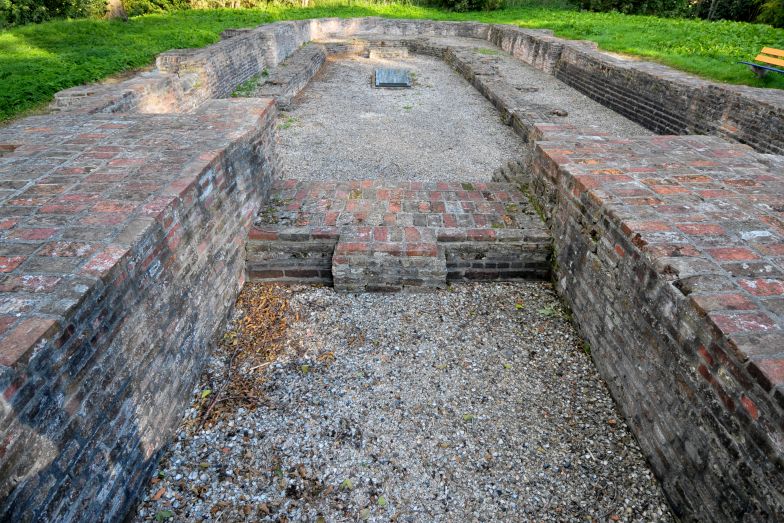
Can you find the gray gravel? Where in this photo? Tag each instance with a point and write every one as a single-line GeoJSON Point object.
{"type": "Point", "coordinates": [441, 129]}
{"type": "Point", "coordinates": [476, 403]}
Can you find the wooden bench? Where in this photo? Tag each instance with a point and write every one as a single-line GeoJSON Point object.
{"type": "Point", "coordinates": [768, 55]}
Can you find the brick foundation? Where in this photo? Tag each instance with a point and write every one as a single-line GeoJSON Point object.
{"type": "Point", "coordinates": [671, 263]}
{"type": "Point", "coordinates": [122, 233]}
{"type": "Point", "coordinates": [126, 252]}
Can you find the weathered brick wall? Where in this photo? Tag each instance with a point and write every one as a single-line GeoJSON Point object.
{"type": "Point", "coordinates": [662, 99]}
{"type": "Point", "coordinates": [185, 78]}
{"type": "Point", "coordinates": [682, 314]}
{"type": "Point", "coordinates": [284, 82]}
{"type": "Point", "coordinates": [118, 298]}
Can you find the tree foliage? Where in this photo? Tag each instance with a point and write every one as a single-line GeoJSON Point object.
{"type": "Point", "coordinates": [18, 12]}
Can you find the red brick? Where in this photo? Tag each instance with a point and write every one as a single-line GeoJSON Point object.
{"type": "Point", "coordinates": [380, 234]}
{"type": "Point", "coordinates": [629, 227]}
{"type": "Point", "coordinates": [29, 283]}
{"type": "Point", "coordinates": [763, 286]}
{"type": "Point", "coordinates": [32, 234]}
{"type": "Point", "coordinates": [63, 208]}
{"type": "Point", "coordinates": [23, 337]}
{"type": "Point", "coordinates": [668, 189]}
{"type": "Point", "coordinates": [350, 247]}
{"type": "Point", "coordinates": [703, 352]}
{"type": "Point", "coordinates": [715, 302]}
{"type": "Point", "coordinates": [67, 249]}
{"type": "Point", "coordinates": [261, 234]}
{"type": "Point", "coordinates": [9, 263]}
{"type": "Point", "coordinates": [412, 234]}
{"type": "Point", "coordinates": [104, 261]}
{"type": "Point", "coordinates": [421, 249]}
{"type": "Point", "coordinates": [731, 323]}
{"type": "Point", "coordinates": [481, 234]}
{"type": "Point", "coordinates": [750, 407]}
{"type": "Point", "coordinates": [701, 229]}
{"type": "Point", "coordinates": [114, 206]}
{"type": "Point", "coordinates": [672, 250]}
{"type": "Point", "coordinates": [716, 193]}
{"type": "Point", "coordinates": [732, 254]}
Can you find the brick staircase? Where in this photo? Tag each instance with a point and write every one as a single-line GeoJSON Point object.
{"type": "Point", "coordinates": [375, 235]}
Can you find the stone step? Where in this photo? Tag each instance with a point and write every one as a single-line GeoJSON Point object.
{"type": "Point", "coordinates": [372, 235]}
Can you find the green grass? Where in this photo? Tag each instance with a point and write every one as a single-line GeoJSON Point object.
{"type": "Point", "coordinates": [36, 61]}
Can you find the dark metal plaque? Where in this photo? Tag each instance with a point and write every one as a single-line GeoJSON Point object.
{"type": "Point", "coordinates": [392, 78]}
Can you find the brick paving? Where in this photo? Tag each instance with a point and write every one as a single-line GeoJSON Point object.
{"type": "Point", "coordinates": [389, 235]}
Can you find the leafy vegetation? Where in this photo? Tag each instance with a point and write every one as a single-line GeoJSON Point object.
{"type": "Point", "coordinates": [248, 87]}
{"type": "Point", "coordinates": [36, 61]}
{"type": "Point", "coordinates": [17, 12]}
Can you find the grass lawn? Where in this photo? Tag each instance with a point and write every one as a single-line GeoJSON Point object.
{"type": "Point", "coordinates": [36, 61]}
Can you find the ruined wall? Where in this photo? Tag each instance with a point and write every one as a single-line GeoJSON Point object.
{"type": "Point", "coordinates": [119, 296]}
{"type": "Point", "coordinates": [682, 315]}
{"type": "Point", "coordinates": [123, 248]}
{"type": "Point", "coordinates": [663, 100]}
{"type": "Point", "coordinates": [670, 252]}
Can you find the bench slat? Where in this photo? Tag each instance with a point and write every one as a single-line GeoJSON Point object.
{"type": "Point", "coordinates": [769, 60]}
{"type": "Point", "coordinates": [772, 51]}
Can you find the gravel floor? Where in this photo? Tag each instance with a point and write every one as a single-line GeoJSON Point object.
{"type": "Point", "coordinates": [472, 404]}
{"type": "Point", "coordinates": [342, 129]}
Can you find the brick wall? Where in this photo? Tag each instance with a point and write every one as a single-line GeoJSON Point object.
{"type": "Point", "coordinates": [683, 316]}
{"type": "Point", "coordinates": [664, 100]}
{"type": "Point", "coordinates": [670, 252]}
{"type": "Point", "coordinates": [115, 318]}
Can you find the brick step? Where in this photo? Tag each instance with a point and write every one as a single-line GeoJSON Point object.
{"type": "Point", "coordinates": [372, 235]}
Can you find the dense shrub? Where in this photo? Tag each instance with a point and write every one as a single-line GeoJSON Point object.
{"type": "Point", "coordinates": [17, 12]}
{"type": "Point", "coordinates": [772, 12]}
{"type": "Point", "coordinates": [644, 7]}
{"type": "Point", "coordinates": [469, 5]}
{"type": "Point", "coordinates": [738, 10]}
{"type": "Point", "coordinates": [761, 11]}
{"type": "Point", "coordinates": [140, 7]}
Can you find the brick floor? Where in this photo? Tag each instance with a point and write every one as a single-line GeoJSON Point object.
{"type": "Point", "coordinates": [376, 235]}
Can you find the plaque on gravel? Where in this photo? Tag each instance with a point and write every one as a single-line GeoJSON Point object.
{"type": "Point", "coordinates": [392, 78]}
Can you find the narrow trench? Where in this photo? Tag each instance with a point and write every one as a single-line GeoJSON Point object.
{"type": "Point", "coordinates": [475, 403]}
